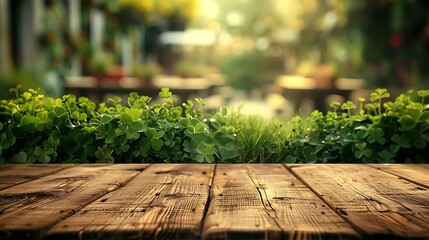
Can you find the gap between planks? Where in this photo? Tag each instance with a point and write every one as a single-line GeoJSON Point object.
{"type": "Point", "coordinates": [265, 201]}
{"type": "Point", "coordinates": [414, 173]}
{"type": "Point", "coordinates": [166, 201]}
{"type": "Point", "coordinates": [206, 208]}
{"type": "Point", "coordinates": [15, 174]}
{"type": "Point", "coordinates": [30, 208]}
{"type": "Point", "coordinates": [356, 228]}
{"type": "Point", "coordinates": [375, 202]}
{"type": "Point", "coordinates": [264, 197]}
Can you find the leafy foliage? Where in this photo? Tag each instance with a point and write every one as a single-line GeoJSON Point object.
{"type": "Point", "coordinates": [35, 128]}
{"type": "Point", "coordinates": [382, 133]}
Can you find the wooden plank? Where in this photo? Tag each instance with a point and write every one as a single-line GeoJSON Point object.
{"type": "Point", "coordinates": [265, 201]}
{"type": "Point", "coordinates": [27, 209]}
{"type": "Point", "coordinates": [380, 204]}
{"type": "Point", "coordinates": [13, 174]}
{"type": "Point", "coordinates": [167, 201]}
{"type": "Point", "coordinates": [416, 173]}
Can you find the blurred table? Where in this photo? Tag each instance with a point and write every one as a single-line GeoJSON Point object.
{"type": "Point", "coordinates": [97, 90]}
{"type": "Point", "coordinates": [300, 89]}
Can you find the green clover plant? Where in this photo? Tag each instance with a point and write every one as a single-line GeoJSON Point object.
{"type": "Point", "coordinates": [39, 129]}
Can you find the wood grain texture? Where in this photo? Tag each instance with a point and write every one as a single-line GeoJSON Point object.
{"type": "Point", "coordinates": [28, 209]}
{"type": "Point", "coordinates": [380, 204]}
{"type": "Point", "coordinates": [14, 174]}
{"type": "Point", "coordinates": [166, 201]}
{"type": "Point", "coordinates": [265, 201]}
{"type": "Point", "coordinates": [416, 173]}
{"type": "Point", "coordinates": [172, 201]}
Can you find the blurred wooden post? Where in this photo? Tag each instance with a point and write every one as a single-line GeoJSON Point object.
{"type": "Point", "coordinates": [97, 28]}
{"type": "Point", "coordinates": [127, 54]}
{"type": "Point", "coordinates": [4, 36]}
{"type": "Point", "coordinates": [30, 15]}
{"type": "Point", "coordinates": [74, 30]}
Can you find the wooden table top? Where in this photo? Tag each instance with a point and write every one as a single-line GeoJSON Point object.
{"type": "Point", "coordinates": [224, 201]}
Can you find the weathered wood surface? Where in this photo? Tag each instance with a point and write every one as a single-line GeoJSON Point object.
{"type": "Point", "coordinates": [373, 201]}
{"type": "Point", "coordinates": [13, 174]}
{"type": "Point", "coordinates": [163, 202]}
{"type": "Point", "coordinates": [32, 207]}
{"type": "Point", "coordinates": [235, 201]}
{"type": "Point", "coordinates": [416, 173]}
{"type": "Point", "coordinates": [268, 202]}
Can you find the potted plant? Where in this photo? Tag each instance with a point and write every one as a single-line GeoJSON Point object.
{"type": "Point", "coordinates": [99, 66]}
{"type": "Point", "coordinates": [146, 73]}
{"type": "Point", "coordinates": [187, 69]}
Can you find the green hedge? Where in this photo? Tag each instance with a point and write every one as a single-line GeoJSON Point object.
{"type": "Point", "coordinates": [35, 128]}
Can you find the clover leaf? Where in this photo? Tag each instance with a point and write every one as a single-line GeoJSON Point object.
{"type": "Point", "coordinates": [386, 156]}
{"type": "Point", "coordinates": [20, 157]}
{"type": "Point", "coordinates": [227, 153]}
{"type": "Point", "coordinates": [362, 132]}
{"type": "Point", "coordinates": [290, 159]}
{"type": "Point", "coordinates": [379, 94]}
{"type": "Point", "coordinates": [28, 124]}
{"type": "Point", "coordinates": [309, 154]}
{"type": "Point", "coordinates": [205, 153]}
{"type": "Point", "coordinates": [165, 93]}
{"type": "Point", "coordinates": [376, 135]}
{"type": "Point", "coordinates": [402, 140]}
{"type": "Point", "coordinates": [361, 150]}
{"type": "Point", "coordinates": [104, 155]}
{"type": "Point", "coordinates": [153, 141]}
{"type": "Point", "coordinates": [423, 94]}
{"type": "Point", "coordinates": [122, 145]}
{"type": "Point", "coordinates": [407, 122]}
{"type": "Point", "coordinates": [42, 154]}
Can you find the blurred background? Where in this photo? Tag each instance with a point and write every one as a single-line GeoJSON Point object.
{"type": "Point", "coordinates": [276, 56]}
